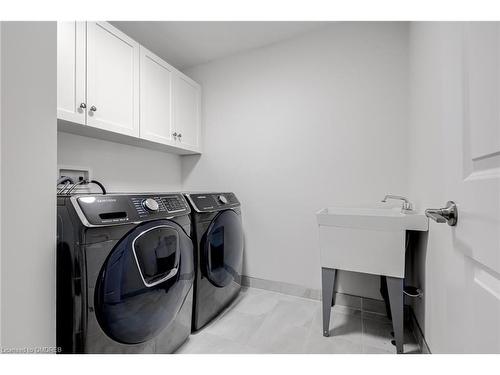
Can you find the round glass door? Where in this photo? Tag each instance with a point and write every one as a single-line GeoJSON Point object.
{"type": "Point", "coordinates": [143, 282]}
{"type": "Point", "coordinates": [223, 249]}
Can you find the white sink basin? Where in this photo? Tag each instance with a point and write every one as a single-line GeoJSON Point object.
{"type": "Point", "coordinates": [372, 218]}
{"type": "Point", "coordinates": [369, 240]}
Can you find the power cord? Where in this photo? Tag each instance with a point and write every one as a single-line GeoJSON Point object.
{"type": "Point", "coordinates": [100, 185]}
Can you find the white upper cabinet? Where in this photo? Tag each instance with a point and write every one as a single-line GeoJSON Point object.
{"type": "Point", "coordinates": [71, 103]}
{"type": "Point", "coordinates": [155, 98]}
{"type": "Point", "coordinates": [120, 91]}
{"type": "Point", "coordinates": [187, 106]}
{"type": "Point", "coordinates": [112, 79]}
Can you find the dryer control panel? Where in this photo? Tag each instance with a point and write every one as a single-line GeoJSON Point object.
{"type": "Point", "coordinates": [209, 202]}
{"type": "Point", "coordinates": [112, 209]}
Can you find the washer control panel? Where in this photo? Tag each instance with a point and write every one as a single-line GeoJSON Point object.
{"type": "Point", "coordinates": [163, 204]}
{"type": "Point", "coordinates": [121, 209]}
{"type": "Point", "coordinates": [209, 202]}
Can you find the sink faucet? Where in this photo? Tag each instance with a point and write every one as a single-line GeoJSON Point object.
{"type": "Point", "coordinates": [407, 205]}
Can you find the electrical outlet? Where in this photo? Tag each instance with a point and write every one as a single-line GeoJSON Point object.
{"type": "Point", "coordinates": [75, 172]}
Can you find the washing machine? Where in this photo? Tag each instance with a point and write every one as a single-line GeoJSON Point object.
{"type": "Point", "coordinates": [217, 235]}
{"type": "Point", "coordinates": [125, 273]}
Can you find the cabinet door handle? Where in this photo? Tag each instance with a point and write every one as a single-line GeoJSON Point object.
{"type": "Point", "coordinates": [93, 108]}
{"type": "Point", "coordinates": [83, 105]}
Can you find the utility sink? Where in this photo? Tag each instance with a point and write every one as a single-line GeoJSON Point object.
{"type": "Point", "coordinates": [369, 240]}
{"type": "Point", "coordinates": [372, 218]}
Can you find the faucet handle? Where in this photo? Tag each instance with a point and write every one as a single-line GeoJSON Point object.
{"type": "Point", "coordinates": [407, 205]}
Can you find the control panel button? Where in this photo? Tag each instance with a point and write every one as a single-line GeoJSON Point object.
{"type": "Point", "coordinates": [174, 204]}
{"type": "Point", "coordinates": [223, 199]}
{"type": "Point", "coordinates": [150, 204]}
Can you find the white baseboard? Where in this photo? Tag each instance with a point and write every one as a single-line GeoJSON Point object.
{"type": "Point", "coordinates": [356, 302]}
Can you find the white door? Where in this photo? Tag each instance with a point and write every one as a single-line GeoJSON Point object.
{"type": "Point", "coordinates": [71, 104]}
{"type": "Point", "coordinates": [155, 98]}
{"type": "Point", "coordinates": [472, 155]}
{"type": "Point", "coordinates": [187, 106]}
{"type": "Point", "coordinates": [112, 79]}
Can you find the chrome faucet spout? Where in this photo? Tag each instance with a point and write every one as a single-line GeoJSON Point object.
{"type": "Point", "coordinates": [391, 196]}
{"type": "Point", "coordinates": [407, 205]}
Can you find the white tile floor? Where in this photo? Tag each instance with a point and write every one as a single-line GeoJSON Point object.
{"type": "Point", "coordinates": [261, 321]}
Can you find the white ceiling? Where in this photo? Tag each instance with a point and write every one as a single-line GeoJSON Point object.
{"type": "Point", "coordinates": [186, 44]}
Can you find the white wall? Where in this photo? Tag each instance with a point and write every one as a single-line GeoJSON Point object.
{"type": "Point", "coordinates": [315, 121]}
{"type": "Point", "coordinates": [28, 157]}
{"type": "Point", "coordinates": [121, 168]}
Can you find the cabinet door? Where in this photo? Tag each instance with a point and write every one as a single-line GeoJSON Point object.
{"type": "Point", "coordinates": [112, 79]}
{"type": "Point", "coordinates": [155, 98]}
{"type": "Point", "coordinates": [187, 105]}
{"type": "Point", "coordinates": [71, 71]}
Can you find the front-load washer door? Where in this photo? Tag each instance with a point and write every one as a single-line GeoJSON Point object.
{"type": "Point", "coordinates": [144, 281]}
{"type": "Point", "coordinates": [223, 249]}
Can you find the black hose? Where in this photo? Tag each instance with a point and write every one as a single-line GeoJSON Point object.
{"type": "Point", "coordinates": [69, 180]}
{"type": "Point", "coordinates": [81, 182]}
{"type": "Point", "coordinates": [66, 184]}
{"type": "Point", "coordinates": [100, 185]}
{"type": "Point", "coordinates": [64, 179]}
